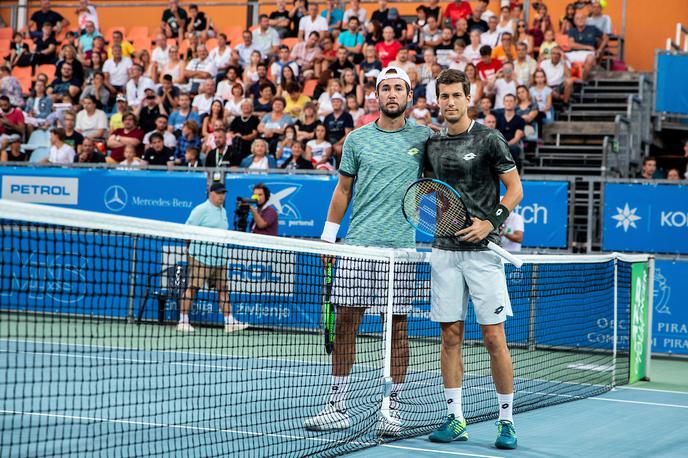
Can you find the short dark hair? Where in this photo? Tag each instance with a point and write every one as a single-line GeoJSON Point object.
{"type": "Point", "coordinates": [161, 115]}
{"type": "Point", "coordinates": [452, 76]}
{"type": "Point", "coordinates": [280, 99]}
{"type": "Point", "coordinates": [293, 86]}
{"type": "Point", "coordinates": [155, 135]}
{"type": "Point", "coordinates": [647, 159]}
{"type": "Point", "coordinates": [260, 18]}
{"type": "Point", "coordinates": [60, 132]}
{"type": "Point", "coordinates": [4, 98]}
{"type": "Point", "coordinates": [92, 98]}
{"type": "Point", "coordinates": [283, 47]}
{"type": "Point", "coordinates": [510, 95]}
{"type": "Point", "coordinates": [193, 150]}
{"type": "Point", "coordinates": [315, 32]}
{"type": "Point", "coordinates": [167, 77]}
{"type": "Point", "coordinates": [485, 50]}
{"type": "Point", "coordinates": [265, 189]}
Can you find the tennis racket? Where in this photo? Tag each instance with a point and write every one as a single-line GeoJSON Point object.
{"type": "Point", "coordinates": [436, 209]}
{"type": "Point", "coordinates": [328, 310]}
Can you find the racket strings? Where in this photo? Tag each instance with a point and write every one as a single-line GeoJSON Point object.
{"type": "Point", "coordinates": [434, 209]}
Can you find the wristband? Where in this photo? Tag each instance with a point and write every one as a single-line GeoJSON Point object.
{"type": "Point", "coordinates": [498, 216]}
{"type": "Point", "coordinates": [329, 233]}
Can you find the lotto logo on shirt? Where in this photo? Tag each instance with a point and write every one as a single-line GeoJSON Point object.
{"type": "Point", "coordinates": [41, 190]}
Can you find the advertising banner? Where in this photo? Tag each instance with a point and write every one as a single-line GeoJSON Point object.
{"type": "Point", "coordinates": [639, 321]}
{"type": "Point", "coordinates": [670, 312]}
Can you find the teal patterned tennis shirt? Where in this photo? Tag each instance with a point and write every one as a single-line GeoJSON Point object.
{"type": "Point", "coordinates": [384, 164]}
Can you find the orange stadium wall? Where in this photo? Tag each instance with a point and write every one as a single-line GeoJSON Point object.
{"type": "Point", "coordinates": [648, 23]}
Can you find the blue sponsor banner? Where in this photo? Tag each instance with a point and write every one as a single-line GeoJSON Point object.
{"type": "Point", "coordinates": [165, 196]}
{"type": "Point", "coordinates": [670, 314]}
{"type": "Point", "coordinates": [646, 218]}
{"type": "Point", "coordinates": [672, 93]}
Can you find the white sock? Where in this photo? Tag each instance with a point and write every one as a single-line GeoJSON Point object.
{"type": "Point", "coordinates": [338, 395]}
{"type": "Point", "coordinates": [229, 319]}
{"type": "Point", "coordinates": [506, 404]}
{"type": "Point", "coordinates": [394, 396]}
{"type": "Point", "coordinates": [453, 396]}
{"type": "Point", "coordinates": [183, 318]}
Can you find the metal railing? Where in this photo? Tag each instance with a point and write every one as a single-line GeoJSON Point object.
{"type": "Point", "coordinates": [681, 36]}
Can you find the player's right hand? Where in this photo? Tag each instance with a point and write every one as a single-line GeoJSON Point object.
{"type": "Point", "coordinates": [327, 259]}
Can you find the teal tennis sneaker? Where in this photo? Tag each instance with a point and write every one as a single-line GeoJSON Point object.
{"type": "Point", "coordinates": [451, 430]}
{"type": "Point", "coordinates": [506, 438]}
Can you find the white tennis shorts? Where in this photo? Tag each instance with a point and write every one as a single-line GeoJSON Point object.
{"type": "Point", "coordinates": [579, 57]}
{"type": "Point", "coordinates": [364, 283]}
{"type": "Point", "coordinates": [456, 274]}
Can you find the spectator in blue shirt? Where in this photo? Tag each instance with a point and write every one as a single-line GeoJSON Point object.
{"type": "Point", "coordinates": [86, 39]}
{"type": "Point", "coordinates": [188, 139]}
{"type": "Point", "coordinates": [333, 16]}
{"type": "Point", "coordinates": [182, 114]}
{"type": "Point", "coordinates": [352, 40]}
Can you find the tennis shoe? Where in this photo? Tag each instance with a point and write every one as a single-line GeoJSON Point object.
{"type": "Point", "coordinates": [330, 418]}
{"type": "Point", "coordinates": [233, 325]}
{"type": "Point", "coordinates": [506, 438]}
{"type": "Point", "coordinates": [185, 327]}
{"type": "Point", "coordinates": [390, 426]}
{"type": "Point", "coordinates": [451, 430]}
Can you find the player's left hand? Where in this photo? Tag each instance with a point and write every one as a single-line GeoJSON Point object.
{"type": "Point", "coordinates": [476, 231]}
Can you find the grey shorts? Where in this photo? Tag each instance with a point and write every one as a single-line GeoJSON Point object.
{"type": "Point", "coordinates": [364, 283]}
{"type": "Point", "coordinates": [458, 274]}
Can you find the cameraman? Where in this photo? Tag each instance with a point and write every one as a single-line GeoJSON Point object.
{"type": "Point", "coordinates": [264, 216]}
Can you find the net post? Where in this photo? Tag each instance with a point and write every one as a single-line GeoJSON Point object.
{"type": "Point", "coordinates": [533, 306]}
{"type": "Point", "coordinates": [132, 283]}
{"type": "Point", "coordinates": [616, 317]}
{"type": "Point", "coordinates": [650, 309]}
{"type": "Point", "coordinates": [387, 360]}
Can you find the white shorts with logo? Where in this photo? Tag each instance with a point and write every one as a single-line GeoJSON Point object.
{"type": "Point", "coordinates": [456, 274]}
{"type": "Point", "coordinates": [364, 283]}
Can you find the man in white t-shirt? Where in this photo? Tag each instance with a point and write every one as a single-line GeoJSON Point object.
{"type": "Point", "coordinates": [137, 85]}
{"type": "Point", "coordinates": [502, 85]}
{"type": "Point", "coordinates": [116, 70]}
{"type": "Point", "coordinates": [312, 22]}
{"type": "Point", "coordinates": [222, 54]}
{"type": "Point", "coordinates": [201, 103]}
{"type": "Point", "coordinates": [200, 68]}
{"type": "Point", "coordinates": [60, 152]}
{"type": "Point", "coordinates": [161, 53]}
{"type": "Point", "coordinates": [599, 20]}
{"type": "Point", "coordinates": [492, 36]}
{"type": "Point", "coordinates": [558, 75]}
{"type": "Point", "coordinates": [265, 38]}
{"type": "Point", "coordinates": [511, 232]}
{"type": "Point", "coordinates": [91, 122]}
{"type": "Point", "coordinates": [242, 51]}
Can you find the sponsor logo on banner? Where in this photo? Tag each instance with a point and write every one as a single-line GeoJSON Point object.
{"type": "Point", "coordinates": [533, 213]}
{"type": "Point", "coordinates": [626, 217]}
{"type": "Point", "coordinates": [41, 190]}
{"type": "Point", "coordinates": [282, 196]}
{"type": "Point", "coordinates": [662, 293]}
{"type": "Point", "coordinates": [116, 198]}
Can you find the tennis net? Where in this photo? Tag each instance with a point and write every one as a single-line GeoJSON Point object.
{"type": "Point", "coordinates": [82, 375]}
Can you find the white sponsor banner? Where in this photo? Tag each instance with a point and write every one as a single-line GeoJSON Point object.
{"type": "Point", "coordinates": [41, 190]}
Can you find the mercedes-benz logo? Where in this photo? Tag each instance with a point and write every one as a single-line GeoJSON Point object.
{"type": "Point", "coordinates": [115, 198]}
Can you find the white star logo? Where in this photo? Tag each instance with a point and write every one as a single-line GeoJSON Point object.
{"type": "Point", "coordinates": [626, 217]}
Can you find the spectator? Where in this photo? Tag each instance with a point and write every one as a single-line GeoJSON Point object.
{"type": "Point", "coordinates": [198, 24]}
{"type": "Point", "coordinates": [488, 67]}
{"type": "Point", "coordinates": [324, 100]}
{"type": "Point", "coordinates": [305, 54]}
{"type": "Point", "coordinates": [89, 154]}
{"type": "Point", "coordinates": [476, 91]}
{"type": "Point", "coordinates": [381, 14]}
{"type": "Point", "coordinates": [445, 48]}
{"type": "Point", "coordinates": [130, 135]}
{"type": "Point", "coordinates": [221, 55]}
{"type": "Point", "coordinates": [71, 137]}
{"type": "Point", "coordinates": [12, 124]}
{"type": "Point", "coordinates": [169, 139]}
{"type": "Point", "coordinates": [333, 16]}
{"type": "Point", "coordinates": [259, 158]}
{"type": "Point", "coordinates": [673, 175]}
{"type": "Point", "coordinates": [602, 21]}
{"type": "Point", "coordinates": [373, 34]}
{"type": "Point", "coordinates": [503, 84]}
{"type": "Point", "coordinates": [192, 158]}
{"type": "Point", "coordinates": [272, 125]}
{"type": "Point", "coordinates": [492, 36]}
{"type": "Point", "coordinates": [430, 89]}
{"type": "Point", "coordinates": [161, 52]}
{"type": "Point", "coordinates": [86, 13]}
{"type": "Point", "coordinates": [328, 54]}
{"type": "Point", "coordinates": [342, 63]}
{"type": "Point", "coordinates": [542, 95]}
{"type": "Point", "coordinates": [511, 232]}
{"type": "Point", "coordinates": [69, 55]}
{"type": "Point", "coordinates": [472, 51]}
{"type": "Point", "coordinates": [15, 153]}
{"type": "Point", "coordinates": [566, 22]}
{"type": "Point", "coordinates": [649, 169]}
{"type": "Point", "coordinates": [397, 24]}
{"type": "Point", "coordinates": [201, 103]}
{"type": "Point", "coordinates": [150, 109]}
{"type": "Point", "coordinates": [121, 108]}
{"type": "Point", "coordinates": [457, 58]}
{"type": "Point", "coordinates": [10, 87]}
{"type": "Point", "coordinates": [128, 49]}
{"type": "Point", "coordinates": [542, 23]}
{"type": "Point", "coordinates": [46, 15]}
{"type": "Point", "coordinates": [174, 67]}
{"type": "Point", "coordinates": [506, 22]}
{"type": "Point", "coordinates": [512, 127]}
{"type": "Point", "coordinates": [60, 152]}
{"type": "Point", "coordinates": [200, 69]}
{"type": "Point", "coordinates": [91, 122]}
{"type": "Point", "coordinates": [297, 161]}
{"type": "Point", "coordinates": [222, 155]}
{"type": "Point", "coordinates": [369, 64]}
{"type": "Point", "coordinates": [461, 33]}
{"type": "Point", "coordinates": [355, 10]}
{"type": "Point", "coordinates": [420, 112]}
{"type": "Point", "coordinates": [350, 87]}
{"type": "Point", "coordinates": [257, 87]}
{"type": "Point", "coordinates": [372, 110]}
{"type": "Point", "coordinates": [506, 51]}
{"type": "Point", "coordinates": [148, 69]}
{"type": "Point", "coordinates": [224, 87]}
{"type": "Point", "coordinates": [168, 94]}
{"type": "Point", "coordinates": [307, 122]}
{"type": "Point", "coordinates": [216, 113]}
{"type": "Point", "coordinates": [280, 20]}
{"type": "Point", "coordinates": [352, 40]}
{"type": "Point", "coordinates": [431, 35]}
{"type": "Point", "coordinates": [283, 151]}
{"type": "Point", "coordinates": [130, 159]}
{"type": "Point", "coordinates": [265, 219]}
{"type": "Point", "coordinates": [137, 86]}
{"type": "Point", "coordinates": [490, 121]}
{"type": "Point", "coordinates": [94, 65]}
{"type": "Point", "coordinates": [243, 51]}
{"type": "Point", "coordinates": [250, 71]}
{"type": "Point", "coordinates": [587, 44]}
{"type": "Point", "coordinates": [402, 61]}
{"type": "Point", "coordinates": [545, 50]}
{"type": "Point", "coordinates": [116, 70]}
{"type": "Point", "coordinates": [339, 123]}
{"type": "Point", "coordinates": [183, 113]}
{"type": "Point", "coordinates": [188, 139]}
{"type": "Point", "coordinates": [20, 55]}
{"type": "Point", "coordinates": [174, 20]}
{"type": "Point", "coordinates": [281, 62]}
{"type": "Point", "coordinates": [286, 78]}
{"type": "Point", "coordinates": [233, 103]}
{"type": "Point", "coordinates": [353, 108]}
{"type": "Point", "coordinates": [87, 37]}
{"type": "Point", "coordinates": [98, 47]}
{"type": "Point", "coordinates": [523, 36]}
{"type": "Point", "coordinates": [313, 22]}
{"type": "Point", "coordinates": [476, 21]}
{"type": "Point", "coordinates": [244, 130]}
{"type": "Point", "coordinates": [297, 13]}
{"type": "Point", "coordinates": [484, 108]}
{"type": "Point", "coordinates": [524, 65]}
{"type": "Point", "coordinates": [265, 38]}
{"type": "Point", "coordinates": [45, 49]}
{"type": "Point", "coordinates": [65, 84]}
{"type": "Point", "coordinates": [388, 48]}
{"type": "Point", "coordinates": [433, 9]}
{"type": "Point", "coordinates": [295, 100]}
{"type": "Point", "coordinates": [527, 109]}
{"type": "Point", "coordinates": [459, 9]}
{"type": "Point", "coordinates": [157, 153]}
{"type": "Point", "coordinates": [263, 104]}
{"type": "Point", "coordinates": [558, 75]}
{"type": "Point", "coordinates": [38, 106]}
{"type": "Point", "coordinates": [97, 90]}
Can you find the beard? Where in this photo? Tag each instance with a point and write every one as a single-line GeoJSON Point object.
{"type": "Point", "coordinates": [393, 114]}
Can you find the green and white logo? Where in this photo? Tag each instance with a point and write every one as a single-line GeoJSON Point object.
{"type": "Point", "coordinates": [413, 151]}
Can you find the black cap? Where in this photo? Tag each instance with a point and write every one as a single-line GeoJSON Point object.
{"type": "Point", "coordinates": [218, 187]}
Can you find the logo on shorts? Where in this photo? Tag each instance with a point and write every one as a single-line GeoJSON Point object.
{"type": "Point", "coordinates": [449, 401]}
{"type": "Point", "coordinates": [505, 406]}
{"type": "Point", "coordinates": [469, 156]}
{"type": "Point", "coordinates": [413, 151]}
{"type": "Point", "coordinates": [499, 309]}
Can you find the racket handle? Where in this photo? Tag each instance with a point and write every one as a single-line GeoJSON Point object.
{"type": "Point", "coordinates": [505, 254]}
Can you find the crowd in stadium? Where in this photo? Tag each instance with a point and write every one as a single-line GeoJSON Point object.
{"type": "Point", "coordinates": [287, 94]}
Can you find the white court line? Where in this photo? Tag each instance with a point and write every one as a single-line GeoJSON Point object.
{"type": "Point", "coordinates": [173, 426]}
{"type": "Point", "coordinates": [646, 403]}
{"type": "Point", "coordinates": [439, 452]}
{"type": "Point", "coordinates": [655, 390]}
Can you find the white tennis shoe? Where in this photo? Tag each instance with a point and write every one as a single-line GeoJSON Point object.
{"type": "Point", "coordinates": [390, 426]}
{"type": "Point", "coordinates": [328, 419]}
{"type": "Point", "coordinates": [185, 327]}
{"type": "Point", "coordinates": [232, 325]}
